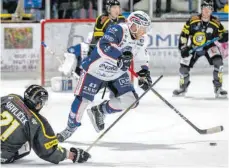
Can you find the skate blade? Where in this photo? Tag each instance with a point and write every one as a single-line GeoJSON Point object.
{"type": "Point", "coordinates": [92, 118]}
{"type": "Point", "coordinates": [180, 95]}
{"type": "Point", "coordinates": [221, 97]}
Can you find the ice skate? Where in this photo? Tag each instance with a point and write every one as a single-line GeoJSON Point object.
{"type": "Point", "coordinates": [96, 116]}
{"type": "Point", "coordinates": [220, 93]}
{"type": "Point", "coordinates": [65, 134]}
{"type": "Point", "coordinates": [181, 91]}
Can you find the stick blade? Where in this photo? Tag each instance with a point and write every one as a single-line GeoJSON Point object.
{"type": "Point", "coordinates": [212, 130]}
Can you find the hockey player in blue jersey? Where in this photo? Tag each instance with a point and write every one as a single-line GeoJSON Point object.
{"type": "Point", "coordinates": [109, 62]}
{"type": "Point", "coordinates": [75, 54]}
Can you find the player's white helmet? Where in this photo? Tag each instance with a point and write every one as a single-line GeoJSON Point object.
{"type": "Point", "coordinates": [140, 19]}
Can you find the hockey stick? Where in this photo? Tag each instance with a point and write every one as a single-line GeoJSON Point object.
{"type": "Point", "coordinates": [204, 45]}
{"type": "Point", "coordinates": [200, 131]}
{"type": "Point", "coordinates": [104, 91]}
{"type": "Point", "coordinates": [128, 109]}
{"type": "Point", "coordinates": [53, 54]}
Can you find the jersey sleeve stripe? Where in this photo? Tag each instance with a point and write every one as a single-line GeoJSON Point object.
{"type": "Point", "coordinates": [96, 34]}
{"type": "Point", "coordinates": [43, 127]}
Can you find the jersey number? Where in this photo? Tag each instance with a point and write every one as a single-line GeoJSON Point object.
{"type": "Point", "coordinates": [8, 120]}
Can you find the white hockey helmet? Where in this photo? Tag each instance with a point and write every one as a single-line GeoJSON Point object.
{"type": "Point", "coordinates": [140, 19]}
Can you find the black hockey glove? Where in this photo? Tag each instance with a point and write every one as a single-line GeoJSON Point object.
{"type": "Point", "coordinates": [124, 61]}
{"type": "Point", "coordinates": [224, 37]}
{"type": "Point", "coordinates": [185, 51]}
{"type": "Point", "coordinates": [80, 155]}
{"type": "Point", "coordinates": [145, 79]}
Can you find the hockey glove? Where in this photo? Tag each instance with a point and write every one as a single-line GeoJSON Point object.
{"type": "Point", "coordinates": [145, 79]}
{"type": "Point", "coordinates": [224, 37]}
{"type": "Point", "coordinates": [80, 155]}
{"type": "Point", "coordinates": [124, 61]}
{"type": "Point", "coordinates": [185, 51]}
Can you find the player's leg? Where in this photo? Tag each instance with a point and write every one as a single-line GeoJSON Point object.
{"type": "Point", "coordinates": [185, 65]}
{"type": "Point", "coordinates": [123, 96]}
{"type": "Point", "coordinates": [214, 57]}
{"type": "Point", "coordinates": [86, 89]}
{"type": "Point", "coordinates": [8, 157]}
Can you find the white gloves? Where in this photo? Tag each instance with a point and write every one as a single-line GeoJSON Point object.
{"type": "Point", "coordinates": [69, 64]}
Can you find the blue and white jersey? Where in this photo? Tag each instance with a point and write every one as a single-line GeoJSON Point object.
{"type": "Point", "coordinates": [79, 50]}
{"type": "Point", "coordinates": [102, 63]}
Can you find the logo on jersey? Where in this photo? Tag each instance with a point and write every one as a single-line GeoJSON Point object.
{"type": "Point", "coordinates": [209, 30]}
{"type": "Point", "coordinates": [124, 82]}
{"type": "Point", "coordinates": [34, 121]}
{"type": "Point", "coordinates": [109, 38]}
{"type": "Point", "coordinates": [108, 67]}
{"type": "Point", "coordinates": [91, 89]}
{"type": "Point", "coordinates": [112, 30]}
{"type": "Point", "coordinates": [199, 38]}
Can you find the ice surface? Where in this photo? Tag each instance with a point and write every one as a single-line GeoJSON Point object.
{"type": "Point", "coordinates": [151, 136]}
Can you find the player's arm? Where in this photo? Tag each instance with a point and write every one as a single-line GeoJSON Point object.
{"type": "Point", "coordinates": [108, 45]}
{"type": "Point", "coordinates": [183, 40]}
{"type": "Point", "coordinates": [222, 33]}
{"type": "Point", "coordinates": [144, 72]}
{"type": "Point", "coordinates": [100, 27]}
{"type": "Point", "coordinates": [45, 144]}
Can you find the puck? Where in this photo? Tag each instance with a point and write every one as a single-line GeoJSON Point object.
{"type": "Point", "coordinates": [213, 144]}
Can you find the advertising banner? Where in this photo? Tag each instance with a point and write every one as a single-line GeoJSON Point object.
{"type": "Point", "coordinates": [20, 50]}
{"type": "Point", "coordinates": [21, 46]}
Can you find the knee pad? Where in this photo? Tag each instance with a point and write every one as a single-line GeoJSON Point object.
{"type": "Point", "coordinates": [122, 102]}
{"type": "Point", "coordinates": [184, 73]}
{"type": "Point", "coordinates": [127, 99]}
{"type": "Point", "coordinates": [184, 70]}
{"type": "Point", "coordinates": [217, 61]}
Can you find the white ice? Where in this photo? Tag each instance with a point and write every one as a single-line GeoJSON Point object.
{"type": "Point", "coordinates": [151, 136]}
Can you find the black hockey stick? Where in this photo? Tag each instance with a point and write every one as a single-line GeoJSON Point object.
{"type": "Point", "coordinates": [104, 91]}
{"type": "Point", "coordinates": [128, 109]}
{"type": "Point", "coordinates": [200, 131]}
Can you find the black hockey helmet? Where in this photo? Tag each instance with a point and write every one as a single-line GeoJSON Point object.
{"type": "Point", "coordinates": [110, 3]}
{"type": "Point", "coordinates": [207, 3]}
{"type": "Point", "coordinates": [35, 95]}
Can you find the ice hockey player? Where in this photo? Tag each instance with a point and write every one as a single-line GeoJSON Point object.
{"type": "Point", "coordinates": [111, 17]}
{"type": "Point", "coordinates": [74, 57]}
{"type": "Point", "coordinates": [23, 128]}
{"type": "Point", "coordinates": [109, 62]}
{"type": "Point", "coordinates": [200, 29]}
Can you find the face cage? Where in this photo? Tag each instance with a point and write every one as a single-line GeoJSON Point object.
{"type": "Point", "coordinates": [207, 6]}
{"type": "Point", "coordinates": [41, 100]}
{"type": "Point", "coordinates": [145, 28]}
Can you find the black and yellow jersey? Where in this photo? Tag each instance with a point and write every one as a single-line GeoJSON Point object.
{"type": "Point", "coordinates": [199, 32]}
{"type": "Point", "coordinates": [102, 23]}
{"type": "Point", "coordinates": [20, 125]}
